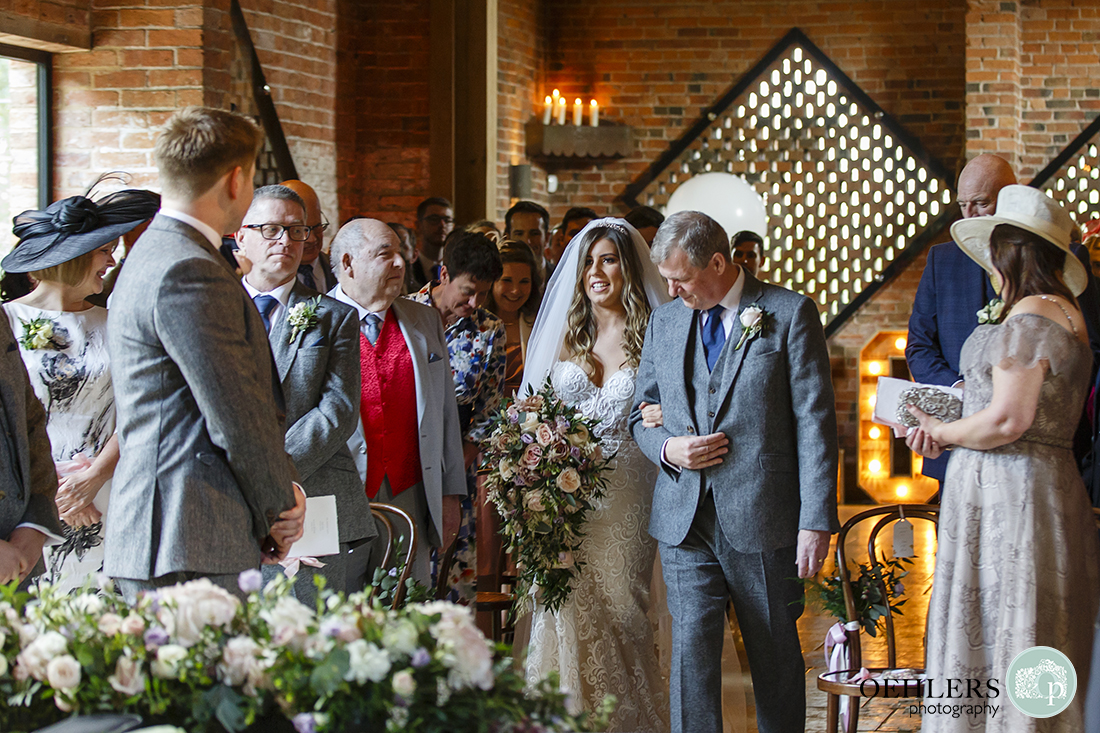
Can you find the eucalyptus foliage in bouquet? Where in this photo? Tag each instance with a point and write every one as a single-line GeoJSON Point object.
{"type": "Point", "coordinates": [547, 470]}
{"type": "Point", "coordinates": [194, 655]}
{"type": "Point", "coordinates": [873, 589]}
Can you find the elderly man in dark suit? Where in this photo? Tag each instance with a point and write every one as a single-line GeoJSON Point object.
{"type": "Point", "coordinates": [204, 486]}
{"type": "Point", "coordinates": [315, 341]}
{"type": "Point", "coordinates": [746, 498]}
{"type": "Point", "coordinates": [28, 482]}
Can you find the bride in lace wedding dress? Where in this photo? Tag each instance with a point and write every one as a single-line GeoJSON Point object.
{"type": "Point", "coordinates": [588, 339]}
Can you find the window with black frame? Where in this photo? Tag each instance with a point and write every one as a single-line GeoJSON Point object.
{"type": "Point", "coordinates": [24, 134]}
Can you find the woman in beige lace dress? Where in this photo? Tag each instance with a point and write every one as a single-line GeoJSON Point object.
{"type": "Point", "coordinates": [1017, 560]}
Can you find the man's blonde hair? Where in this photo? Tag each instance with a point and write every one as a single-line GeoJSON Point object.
{"type": "Point", "coordinates": [199, 145]}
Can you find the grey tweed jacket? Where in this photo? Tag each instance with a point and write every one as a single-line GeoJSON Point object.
{"type": "Point", "coordinates": [773, 399]}
{"type": "Point", "coordinates": [203, 472]}
{"type": "Point", "coordinates": [320, 375]}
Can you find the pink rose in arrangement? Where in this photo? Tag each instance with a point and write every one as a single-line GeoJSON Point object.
{"type": "Point", "coordinates": [532, 454]}
{"type": "Point", "coordinates": [569, 480]}
{"type": "Point", "coordinates": [544, 434]}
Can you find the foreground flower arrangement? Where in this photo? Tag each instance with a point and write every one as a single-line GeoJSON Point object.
{"type": "Point", "coordinates": [546, 471]}
{"type": "Point", "coordinates": [194, 655]}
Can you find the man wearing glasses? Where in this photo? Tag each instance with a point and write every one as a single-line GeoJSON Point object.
{"type": "Point", "coordinates": [434, 221]}
{"type": "Point", "coordinates": [317, 360]}
{"type": "Point", "coordinates": [315, 271]}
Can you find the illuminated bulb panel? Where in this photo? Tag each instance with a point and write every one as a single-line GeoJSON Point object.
{"type": "Point", "coordinates": [830, 176]}
{"type": "Point", "coordinates": [1074, 186]}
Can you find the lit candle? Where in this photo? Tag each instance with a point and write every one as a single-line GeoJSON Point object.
{"type": "Point", "coordinates": [594, 114]}
{"type": "Point", "coordinates": [556, 95]}
{"type": "Point", "coordinates": [578, 112]}
{"type": "Point", "coordinates": [561, 110]}
{"type": "Point", "coordinates": [547, 111]}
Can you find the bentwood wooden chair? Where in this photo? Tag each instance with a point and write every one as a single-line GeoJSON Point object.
{"type": "Point", "coordinates": [836, 683]}
{"type": "Point", "coordinates": [387, 514]}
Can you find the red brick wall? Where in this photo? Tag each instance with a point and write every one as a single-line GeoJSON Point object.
{"type": "Point", "coordinates": [382, 108]}
{"type": "Point", "coordinates": [520, 72]}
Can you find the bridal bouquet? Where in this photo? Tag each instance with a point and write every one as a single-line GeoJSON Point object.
{"type": "Point", "coordinates": [546, 471]}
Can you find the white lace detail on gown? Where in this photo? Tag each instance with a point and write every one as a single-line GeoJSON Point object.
{"type": "Point", "coordinates": [601, 642]}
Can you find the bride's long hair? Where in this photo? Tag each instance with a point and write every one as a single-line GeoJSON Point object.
{"type": "Point", "coordinates": [580, 332]}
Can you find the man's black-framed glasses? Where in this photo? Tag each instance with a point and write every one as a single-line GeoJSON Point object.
{"type": "Point", "coordinates": [295, 232]}
{"type": "Point", "coordinates": [320, 229]}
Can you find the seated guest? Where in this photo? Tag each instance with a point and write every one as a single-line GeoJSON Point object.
{"type": "Point", "coordinates": [318, 365]}
{"type": "Point", "coordinates": [434, 221]}
{"type": "Point", "coordinates": [747, 248]}
{"type": "Point", "coordinates": [408, 445]}
{"type": "Point", "coordinates": [204, 487]}
{"type": "Point", "coordinates": [572, 223]}
{"type": "Point", "coordinates": [315, 272]}
{"type": "Point", "coordinates": [476, 344]}
{"type": "Point", "coordinates": [515, 299]}
{"type": "Point", "coordinates": [486, 227]}
{"type": "Point", "coordinates": [67, 249]}
{"type": "Point", "coordinates": [28, 481]}
{"type": "Point", "coordinates": [529, 223]}
{"type": "Point", "coordinates": [646, 220]}
{"type": "Point", "coordinates": [408, 252]}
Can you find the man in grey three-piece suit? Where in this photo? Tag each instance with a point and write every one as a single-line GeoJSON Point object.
{"type": "Point", "coordinates": [28, 481]}
{"type": "Point", "coordinates": [318, 366]}
{"type": "Point", "coordinates": [204, 486]}
{"type": "Point", "coordinates": [411, 460]}
{"type": "Point", "coordinates": [746, 496]}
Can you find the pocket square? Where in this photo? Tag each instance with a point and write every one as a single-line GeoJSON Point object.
{"type": "Point", "coordinates": [433, 357]}
{"type": "Point", "coordinates": [318, 342]}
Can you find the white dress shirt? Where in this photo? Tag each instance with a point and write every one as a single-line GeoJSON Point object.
{"type": "Point", "coordinates": [281, 294]}
{"type": "Point", "coordinates": [207, 231]}
{"type": "Point", "coordinates": [339, 294]}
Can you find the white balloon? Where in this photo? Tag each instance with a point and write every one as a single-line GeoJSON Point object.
{"type": "Point", "coordinates": [727, 199]}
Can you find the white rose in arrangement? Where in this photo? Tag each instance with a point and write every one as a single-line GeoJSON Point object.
{"type": "Point", "coordinates": [63, 673]}
{"type": "Point", "coordinates": [3, 639]}
{"type": "Point", "coordinates": [133, 625]}
{"type": "Point", "coordinates": [467, 655]}
{"type": "Point", "coordinates": [289, 621]}
{"type": "Point", "coordinates": [530, 422]}
{"type": "Point", "coordinates": [578, 436]}
{"type": "Point", "coordinates": [367, 662]}
{"type": "Point", "coordinates": [401, 638]}
{"type": "Point", "coordinates": [751, 316]}
{"type": "Point", "coordinates": [40, 652]}
{"type": "Point", "coordinates": [27, 634]}
{"type": "Point", "coordinates": [534, 502]}
{"type": "Point", "coordinates": [167, 664]}
{"type": "Point", "coordinates": [239, 661]}
{"type": "Point", "coordinates": [128, 677]}
{"type": "Point", "coordinates": [110, 624]}
{"type": "Point", "coordinates": [3, 666]}
{"type": "Point", "coordinates": [404, 684]}
{"type": "Point", "coordinates": [189, 608]}
{"type": "Point", "coordinates": [507, 469]}
{"type": "Point", "coordinates": [87, 603]}
{"type": "Point", "coordinates": [569, 480]}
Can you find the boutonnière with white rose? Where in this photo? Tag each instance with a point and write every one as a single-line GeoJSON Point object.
{"type": "Point", "coordinates": [754, 320]}
{"type": "Point", "coordinates": [993, 312]}
{"type": "Point", "coordinates": [303, 316]}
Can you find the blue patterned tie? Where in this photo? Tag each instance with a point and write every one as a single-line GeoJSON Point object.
{"type": "Point", "coordinates": [266, 305]}
{"type": "Point", "coordinates": [305, 276]}
{"type": "Point", "coordinates": [374, 327]}
{"type": "Point", "coordinates": [714, 336]}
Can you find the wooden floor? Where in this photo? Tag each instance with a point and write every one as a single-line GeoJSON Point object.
{"type": "Point", "coordinates": [876, 714]}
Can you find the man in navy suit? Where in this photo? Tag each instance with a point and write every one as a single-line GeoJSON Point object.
{"type": "Point", "coordinates": [954, 288]}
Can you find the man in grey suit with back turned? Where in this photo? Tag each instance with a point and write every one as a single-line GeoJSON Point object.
{"type": "Point", "coordinates": [204, 487]}
{"type": "Point", "coordinates": [408, 443]}
{"type": "Point", "coordinates": [318, 365]}
{"type": "Point", "coordinates": [746, 496]}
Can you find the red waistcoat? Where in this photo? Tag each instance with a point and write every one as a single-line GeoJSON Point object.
{"type": "Point", "coordinates": [388, 409]}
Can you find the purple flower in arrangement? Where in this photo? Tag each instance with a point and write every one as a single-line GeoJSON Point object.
{"type": "Point", "coordinates": [155, 636]}
{"type": "Point", "coordinates": [519, 480]}
{"type": "Point", "coordinates": [305, 723]}
{"type": "Point", "coordinates": [420, 658]}
{"type": "Point", "coordinates": [899, 588]}
{"type": "Point", "coordinates": [250, 581]}
{"type": "Point", "coordinates": [527, 438]}
{"type": "Point", "coordinates": [563, 424]}
{"type": "Point", "coordinates": [575, 452]}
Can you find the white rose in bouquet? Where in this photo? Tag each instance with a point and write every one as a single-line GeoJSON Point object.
{"type": "Point", "coordinates": [578, 436]}
{"type": "Point", "coordinates": [87, 603]}
{"type": "Point", "coordinates": [3, 666]}
{"type": "Point", "coordinates": [167, 664]}
{"type": "Point", "coordinates": [530, 422]}
{"type": "Point", "coordinates": [189, 608]}
{"type": "Point", "coordinates": [133, 625]}
{"type": "Point", "coordinates": [110, 624]}
{"type": "Point", "coordinates": [289, 620]}
{"type": "Point", "coordinates": [401, 638]}
{"type": "Point", "coordinates": [404, 684]}
{"type": "Point", "coordinates": [128, 677]}
{"type": "Point", "coordinates": [467, 654]}
{"type": "Point", "coordinates": [534, 502]}
{"type": "Point", "coordinates": [40, 652]}
{"type": "Point", "coordinates": [569, 480]}
{"type": "Point", "coordinates": [367, 662]}
{"type": "Point", "coordinates": [63, 672]}
{"type": "Point", "coordinates": [239, 661]}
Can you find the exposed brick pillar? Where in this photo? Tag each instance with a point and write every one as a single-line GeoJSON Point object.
{"type": "Point", "coordinates": [994, 101]}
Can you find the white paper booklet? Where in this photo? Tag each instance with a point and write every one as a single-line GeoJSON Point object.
{"type": "Point", "coordinates": [321, 536]}
{"type": "Point", "coordinates": [887, 394]}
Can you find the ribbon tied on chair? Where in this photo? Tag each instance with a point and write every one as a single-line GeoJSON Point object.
{"type": "Point", "coordinates": [837, 657]}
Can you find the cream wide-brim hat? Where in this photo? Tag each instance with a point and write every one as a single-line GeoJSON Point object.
{"type": "Point", "coordinates": [1031, 210]}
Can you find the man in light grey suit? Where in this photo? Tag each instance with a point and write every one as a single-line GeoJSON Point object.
{"type": "Point", "coordinates": [746, 497]}
{"type": "Point", "coordinates": [204, 486]}
{"type": "Point", "coordinates": [408, 444]}
{"type": "Point", "coordinates": [28, 481]}
{"type": "Point", "coordinates": [318, 366]}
